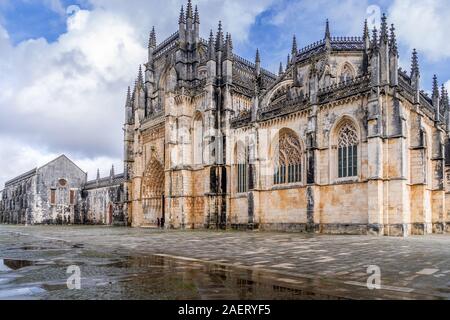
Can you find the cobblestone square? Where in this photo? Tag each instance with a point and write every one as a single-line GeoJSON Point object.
{"type": "Point", "coordinates": [124, 263]}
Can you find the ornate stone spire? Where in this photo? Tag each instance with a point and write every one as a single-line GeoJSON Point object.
{"type": "Point", "coordinates": [436, 99]}
{"type": "Point", "coordinates": [182, 19]}
{"type": "Point", "coordinates": [257, 63]}
{"type": "Point", "coordinates": [257, 57]}
{"type": "Point", "coordinates": [140, 79]}
{"type": "Point", "coordinates": [219, 37]}
{"type": "Point", "coordinates": [128, 102]}
{"type": "Point", "coordinates": [375, 39]}
{"type": "Point", "coordinates": [444, 99]}
{"type": "Point", "coordinates": [281, 70]}
{"type": "Point", "coordinates": [415, 71]}
{"type": "Point", "coordinates": [288, 62]}
{"type": "Point", "coordinates": [189, 14]}
{"type": "Point", "coordinates": [228, 47]}
{"type": "Point", "coordinates": [196, 16]}
{"type": "Point", "coordinates": [152, 39]}
{"type": "Point", "coordinates": [384, 38]}
{"type": "Point", "coordinates": [98, 175]}
{"type": "Point", "coordinates": [294, 46]}
{"type": "Point", "coordinates": [112, 173]}
{"type": "Point", "coordinates": [327, 30]}
{"type": "Point", "coordinates": [393, 41]}
{"type": "Point", "coordinates": [211, 50]}
{"type": "Point", "coordinates": [435, 87]}
{"type": "Point", "coordinates": [366, 34]}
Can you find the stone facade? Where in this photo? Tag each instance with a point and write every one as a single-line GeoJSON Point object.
{"type": "Point", "coordinates": [57, 193]}
{"type": "Point", "coordinates": [102, 201]}
{"type": "Point", "coordinates": [340, 141]}
{"type": "Point", "coordinates": [46, 195]}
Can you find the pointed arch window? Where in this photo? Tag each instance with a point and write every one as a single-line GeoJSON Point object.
{"type": "Point", "coordinates": [198, 140]}
{"type": "Point", "coordinates": [288, 160]}
{"type": "Point", "coordinates": [347, 151]}
{"type": "Point", "coordinates": [347, 73]}
{"type": "Point", "coordinates": [241, 168]}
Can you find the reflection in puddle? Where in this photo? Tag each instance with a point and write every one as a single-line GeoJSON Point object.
{"type": "Point", "coordinates": [20, 292]}
{"type": "Point", "coordinates": [156, 278]}
{"type": "Point", "coordinates": [10, 264]}
{"type": "Point", "coordinates": [159, 277]}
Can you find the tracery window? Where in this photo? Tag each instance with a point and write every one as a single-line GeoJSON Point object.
{"type": "Point", "coordinates": [241, 168]}
{"type": "Point", "coordinates": [346, 74]}
{"type": "Point", "coordinates": [288, 160]}
{"type": "Point", "coordinates": [347, 151]}
{"type": "Point", "coordinates": [198, 140]}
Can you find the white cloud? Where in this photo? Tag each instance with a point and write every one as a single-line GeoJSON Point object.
{"type": "Point", "coordinates": [68, 96]}
{"type": "Point", "coordinates": [56, 6]}
{"type": "Point", "coordinates": [22, 158]}
{"type": "Point", "coordinates": [423, 25]}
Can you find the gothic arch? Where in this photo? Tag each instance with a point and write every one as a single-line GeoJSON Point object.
{"type": "Point", "coordinates": [287, 157]}
{"type": "Point", "coordinates": [198, 138]}
{"type": "Point", "coordinates": [345, 160]}
{"type": "Point", "coordinates": [240, 152]}
{"type": "Point", "coordinates": [152, 191]}
{"type": "Point", "coordinates": [167, 83]}
{"type": "Point", "coordinates": [339, 123]}
{"type": "Point", "coordinates": [280, 87]}
{"type": "Point", "coordinates": [241, 167]}
{"type": "Point", "coordinates": [347, 72]}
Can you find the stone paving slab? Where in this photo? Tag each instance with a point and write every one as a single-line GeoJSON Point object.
{"type": "Point", "coordinates": [411, 268]}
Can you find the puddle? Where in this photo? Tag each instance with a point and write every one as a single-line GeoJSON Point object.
{"type": "Point", "coordinates": [167, 278]}
{"type": "Point", "coordinates": [152, 278]}
{"type": "Point", "coordinates": [11, 264]}
{"type": "Point", "coordinates": [18, 293]}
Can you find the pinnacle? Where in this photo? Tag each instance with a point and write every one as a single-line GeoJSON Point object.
{"type": "Point", "coordinates": [182, 17]}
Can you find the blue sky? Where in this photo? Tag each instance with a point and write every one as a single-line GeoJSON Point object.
{"type": "Point", "coordinates": [30, 19]}
{"type": "Point", "coordinates": [65, 64]}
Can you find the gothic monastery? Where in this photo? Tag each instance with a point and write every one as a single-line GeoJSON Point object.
{"type": "Point", "coordinates": [341, 141]}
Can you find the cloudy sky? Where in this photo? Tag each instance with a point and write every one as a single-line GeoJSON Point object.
{"type": "Point", "coordinates": [65, 64]}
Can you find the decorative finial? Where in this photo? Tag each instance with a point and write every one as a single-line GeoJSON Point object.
{"type": "Point", "coordinates": [257, 58]}
{"type": "Point", "coordinates": [393, 41]}
{"type": "Point", "coordinates": [366, 30]}
{"type": "Point", "coordinates": [327, 30]}
{"type": "Point", "coordinates": [189, 10]}
{"type": "Point", "coordinates": [435, 87]}
{"type": "Point", "coordinates": [152, 39]}
{"type": "Point", "coordinates": [415, 70]}
{"type": "Point", "coordinates": [128, 97]}
{"type": "Point", "coordinates": [140, 79]}
{"type": "Point", "coordinates": [228, 46]}
{"type": "Point", "coordinates": [281, 70]}
{"type": "Point", "coordinates": [219, 37]}
{"type": "Point", "coordinates": [375, 38]}
{"type": "Point", "coordinates": [211, 51]}
{"type": "Point", "coordinates": [294, 46]}
{"type": "Point", "coordinates": [196, 16]}
{"type": "Point", "coordinates": [384, 29]}
{"type": "Point", "coordinates": [444, 98]}
{"type": "Point", "coordinates": [182, 19]}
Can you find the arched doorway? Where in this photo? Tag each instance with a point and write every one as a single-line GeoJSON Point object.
{"type": "Point", "coordinates": [110, 214]}
{"type": "Point", "coordinates": [153, 193]}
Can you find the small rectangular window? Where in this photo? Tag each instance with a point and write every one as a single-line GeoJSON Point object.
{"type": "Point", "coordinates": [72, 197]}
{"type": "Point", "coordinates": [53, 196]}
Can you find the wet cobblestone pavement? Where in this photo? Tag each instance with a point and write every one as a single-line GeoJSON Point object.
{"type": "Point", "coordinates": [120, 263]}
